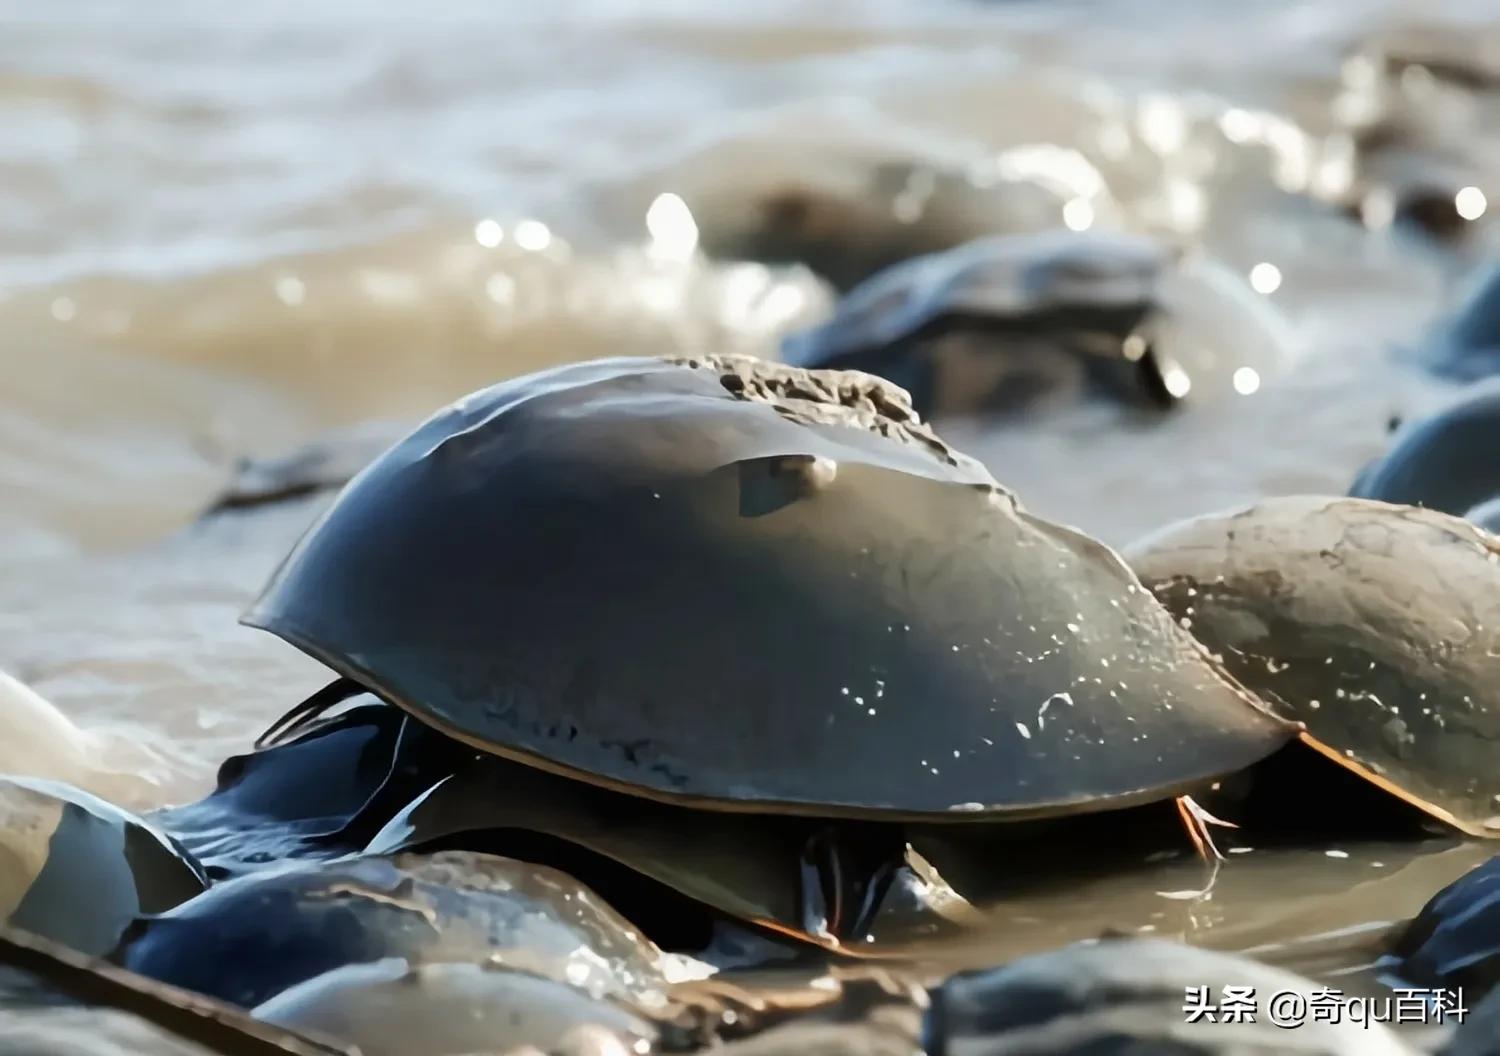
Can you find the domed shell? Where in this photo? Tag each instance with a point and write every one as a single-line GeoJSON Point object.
{"type": "Point", "coordinates": [253, 937]}
{"type": "Point", "coordinates": [739, 585]}
{"type": "Point", "coordinates": [1378, 626]}
{"type": "Point", "coordinates": [393, 1008]}
{"type": "Point", "coordinates": [1018, 277]}
{"type": "Point", "coordinates": [1449, 461]}
{"type": "Point", "coordinates": [1000, 322]}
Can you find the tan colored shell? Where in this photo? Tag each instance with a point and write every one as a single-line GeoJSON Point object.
{"type": "Point", "coordinates": [1378, 626]}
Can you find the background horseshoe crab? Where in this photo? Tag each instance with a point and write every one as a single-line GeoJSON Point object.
{"type": "Point", "coordinates": [1448, 461]}
{"type": "Point", "coordinates": [1011, 323]}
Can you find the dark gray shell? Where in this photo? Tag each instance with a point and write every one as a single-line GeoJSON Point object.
{"type": "Point", "coordinates": [1129, 996]}
{"type": "Point", "coordinates": [1001, 322]}
{"type": "Point", "coordinates": [1040, 312]}
{"type": "Point", "coordinates": [1376, 625]}
{"type": "Point", "coordinates": [392, 1008]}
{"type": "Point", "coordinates": [739, 585]}
{"type": "Point", "coordinates": [77, 870]}
{"type": "Point", "coordinates": [1449, 461]}
{"type": "Point", "coordinates": [1454, 942]}
{"type": "Point", "coordinates": [249, 939]}
{"type": "Point", "coordinates": [1018, 277]}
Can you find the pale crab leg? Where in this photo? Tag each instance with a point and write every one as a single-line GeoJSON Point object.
{"type": "Point", "coordinates": [1197, 820]}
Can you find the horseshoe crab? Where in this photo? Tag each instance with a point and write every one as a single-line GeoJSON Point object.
{"type": "Point", "coordinates": [392, 1008]}
{"type": "Point", "coordinates": [325, 464]}
{"type": "Point", "coordinates": [77, 870]}
{"type": "Point", "coordinates": [1449, 461]}
{"type": "Point", "coordinates": [1002, 322]}
{"type": "Point", "coordinates": [1454, 942]}
{"type": "Point", "coordinates": [251, 938]}
{"type": "Point", "coordinates": [857, 215]}
{"type": "Point", "coordinates": [1122, 995]}
{"type": "Point", "coordinates": [732, 586]}
{"type": "Point", "coordinates": [859, 879]}
{"type": "Point", "coordinates": [1372, 624]}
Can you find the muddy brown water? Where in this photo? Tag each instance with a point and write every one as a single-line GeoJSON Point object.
{"type": "Point", "coordinates": [194, 269]}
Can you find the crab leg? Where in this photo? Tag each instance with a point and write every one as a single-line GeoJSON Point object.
{"type": "Point", "coordinates": [1197, 820]}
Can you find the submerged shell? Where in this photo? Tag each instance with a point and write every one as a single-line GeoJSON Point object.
{"type": "Point", "coordinates": [1132, 995]}
{"type": "Point", "coordinates": [78, 870]}
{"type": "Point", "coordinates": [1454, 942]}
{"type": "Point", "coordinates": [1376, 625]}
{"type": "Point", "coordinates": [249, 939]}
{"type": "Point", "coordinates": [1002, 321]}
{"type": "Point", "coordinates": [391, 1008]}
{"type": "Point", "coordinates": [1449, 461]}
{"type": "Point", "coordinates": [734, 584]}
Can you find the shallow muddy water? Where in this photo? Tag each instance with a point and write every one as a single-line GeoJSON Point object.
{"type": "Point", "coordinates": [224, 233]}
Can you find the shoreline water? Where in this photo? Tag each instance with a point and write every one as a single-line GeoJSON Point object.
{"type": "Point", "coordinates": [230, 234]}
